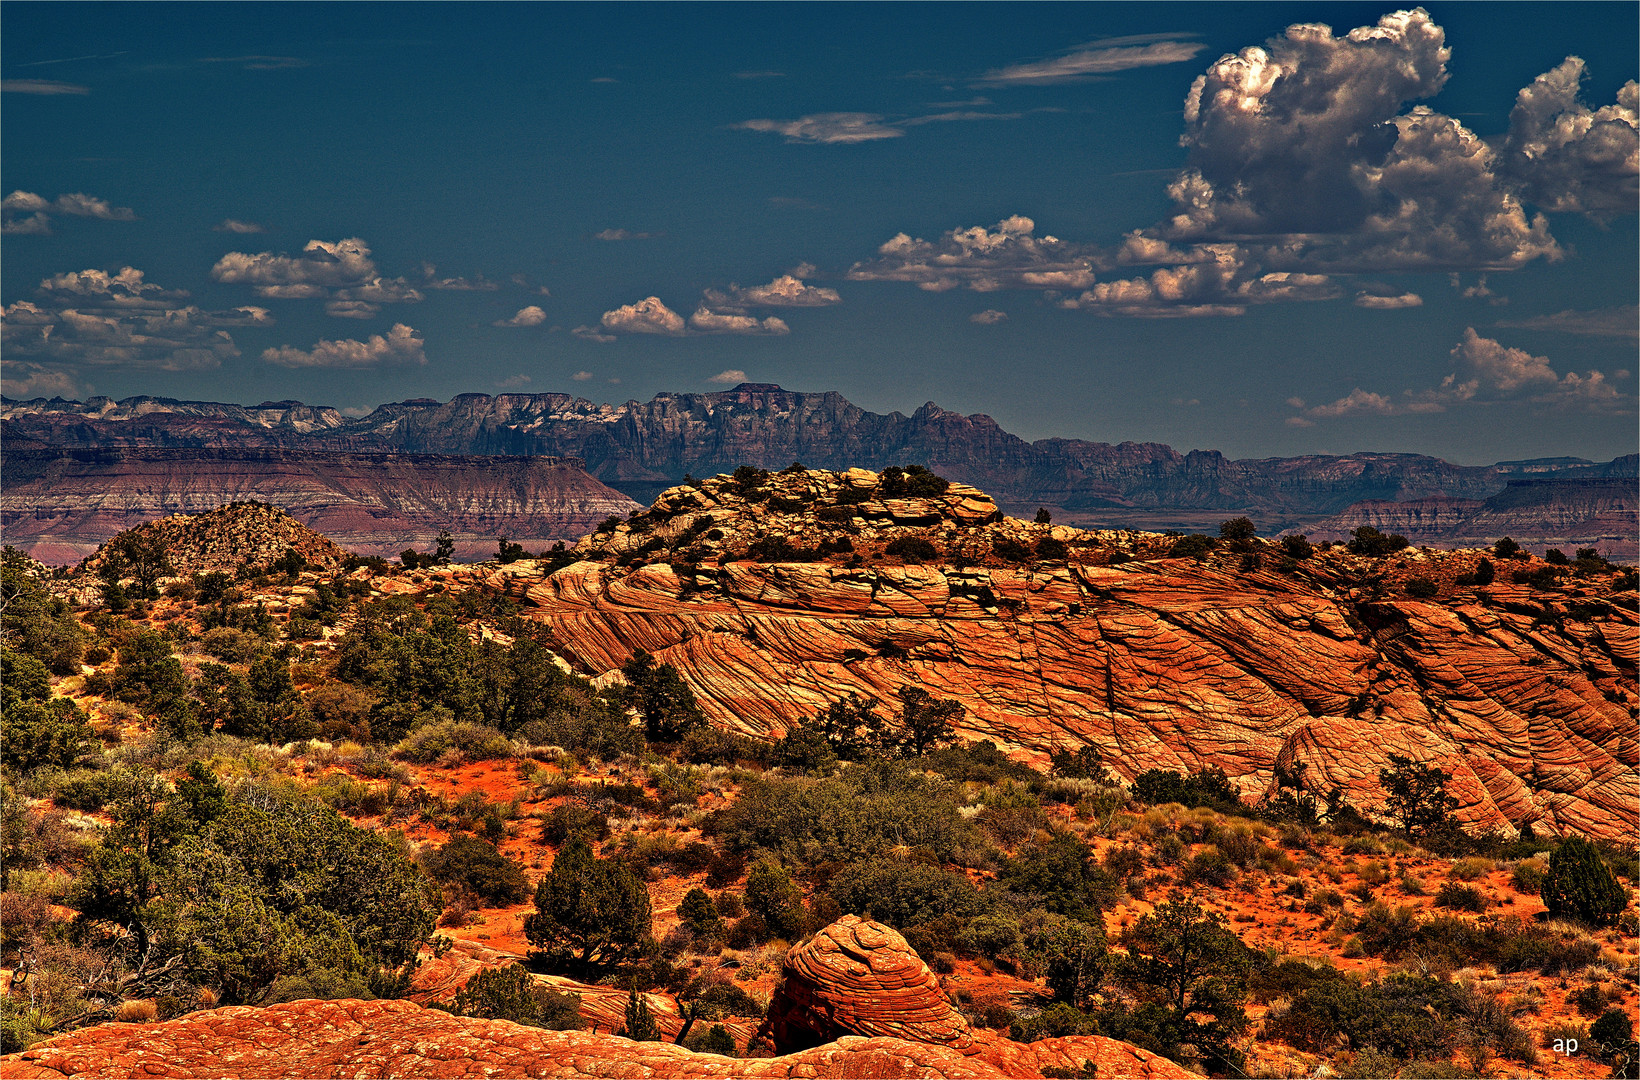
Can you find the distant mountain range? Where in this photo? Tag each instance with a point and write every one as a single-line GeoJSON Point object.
{"type": "Point", "coordinates": [640, 448]}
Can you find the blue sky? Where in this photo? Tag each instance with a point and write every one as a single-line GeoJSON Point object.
{"type": "Point", "coordinates": [1180, 223]}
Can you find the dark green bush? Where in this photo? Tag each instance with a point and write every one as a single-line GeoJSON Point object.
{"type": "Point", "coordinates": [1063, 875]}
{"type": "Point", "coordinates": [1052, 550]}
{"type": "Point", "coordinates": [856, 814]}
{"type": "Point", "coordinates": [903, 894]}
{"type": "Point", "coordinates": [1369, 541]}
{"type": "Point", "coordinates": [1192, 546]}
{"type": "Point", "coordinates": [1057, 1020]}
{"type": "Point", "coordinates": [1460, 897]}
{"type": "Point", "coordinates": [1011, 551]}
{"type": "Point", "coordinates": [775, 898]}
{"type": "Point", "coordinates": [1484, 574]}
{"type": "Point", "coordinates": [510, 993]}
{"type": "Point", "coordinates": [1204, 787]}
{"type": "Point", "coordinates": [1421, 588]}
{"type": "Point", "coordinates": [911, 549]}
{"type": "Point", "coordinates": [473, 742]}
{"type": "Point", "coordinates": [1580, 885]}
{"type": "Point", "coordinates": [477, 867]}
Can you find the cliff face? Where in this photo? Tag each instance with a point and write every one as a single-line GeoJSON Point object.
{"type": "Point", "coordinates": [1527, 698]}
{"type": "Point", "coordinates": [643, 447]}
{"type": "Point", "coordinates": [60, 503]}
{"type": "Point", "coordinates": [1537, 513]}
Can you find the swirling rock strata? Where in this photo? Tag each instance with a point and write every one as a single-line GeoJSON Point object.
{"type": "Point", "coordinates": [310, 1040]}
{"type": "Point", "coordinates": [1526, 695]}
{"type": "Point", "coordinates": [858, 977]}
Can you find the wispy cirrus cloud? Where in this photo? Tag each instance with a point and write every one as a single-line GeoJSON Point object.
{"type": "Point", "coordinates": [43, 87]}
{"type": "Point", "coordinates": [859, 127]}
{"type": "Point", "coordinates": [400, 345]}
{"type": "Point", "coordinates": [1623, 322]}
{"type": "Point", "coordinates": [234, 225]}
{"type": "Point", "coordinates": [258, 62]}
{"type": "Point", "coordinates": [1096, 59]}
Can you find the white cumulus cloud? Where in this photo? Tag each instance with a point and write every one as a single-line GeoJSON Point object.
{"type": "Point", "coordinates": [707, 321]}
{"type": "Point", "coordinates": [727, 378]}
{"type": "Point", "coordinates": [1385, 302]}
{"type": "Point", "coordinates": [988, 317]}
{"type": "Point", "coordinates": [526, 316]}
{"type": "Point", "coordinates": [647, 316]}
{"type": "Point", "coordinates": [1566, 157]}
{"type": "Point", "coordinates": [1485, 372]}
{"type": "Point", "coordinates": [233, 225]}
{"type": "Point", "coordinates": [400, 345]}
{"type": "Point", "coordinates": [784, 291]}
{"type": "Point", "coordinates": [1006, 255]}
{"type": "Point", "coordinates": [23, 213]}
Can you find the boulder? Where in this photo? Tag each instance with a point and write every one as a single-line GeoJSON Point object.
{"type": "Point", "coordinates": [858, 977]}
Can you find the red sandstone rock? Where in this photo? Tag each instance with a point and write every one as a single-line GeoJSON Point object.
{"type": "Point", "coordinates": [1158, 662]}
{"type": "Point", "coordinates": [334, 1039]}
{"type": "Point", "coordinates": [858, 977]}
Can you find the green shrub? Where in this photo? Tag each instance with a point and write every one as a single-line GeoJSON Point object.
{"type": "Point", "coordinates": [1192, 546]}
{"type": "Point", "coordinates": [911, 549]}
{"type": "Point", "coordinates": [1421, 588]}
{"type": "Point", "coordinates": [773, 896]}
{"type": "Point", "coordinates": [1203, 787]}
{"type": "Point", "coordinates": [902, 894]}
{"type": "Point", "coordinates": [1055, 1021]}
{"type": "Point", "coordinates": [477, 867]}
{"type": "Point", "coordinates": [1011, 551]}
{"type": "Point", "coordinates": [1052, 550]}
{"type": "Point", "coordinates": [698, 915]}
{"type": "Point", "coordinates": [854, 815]}
{"type": "Point", "coordinates": [1580, 885]}
{"type": "Point", "coordinates": [473, 742]}
{"type": "Point", "coordinates": [1369, 541]}
{"type": "Point", "coordinates": [715, 1040]}
{"type": "Point", "coordinates": [510, 993]}
{"type": "Point", "coordinates": [1063, 875]}
{"type": "Point", "coordinates": [590, 914]}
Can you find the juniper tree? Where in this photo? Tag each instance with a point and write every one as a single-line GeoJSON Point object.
{"type": "Point", "coordinates": [1580, 885]}
{"type": "Point", "coordinates": [590, 913]}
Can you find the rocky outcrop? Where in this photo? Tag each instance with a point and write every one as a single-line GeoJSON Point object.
{"type": "Point", "coordinates": [858, 977]}
{"type": "Point", "coordinates": [227, 539]}
{"type": "Point", "coordinates": [1536, 513]}
{"type": "Point", "coordinates": [332, 1039]}
{"type": "Point", "coordinates": [1236, 660]}
{"type": "Point", "coordinates": [60, 502]}
{"type": "Point", "coordinates": [643, 447]}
